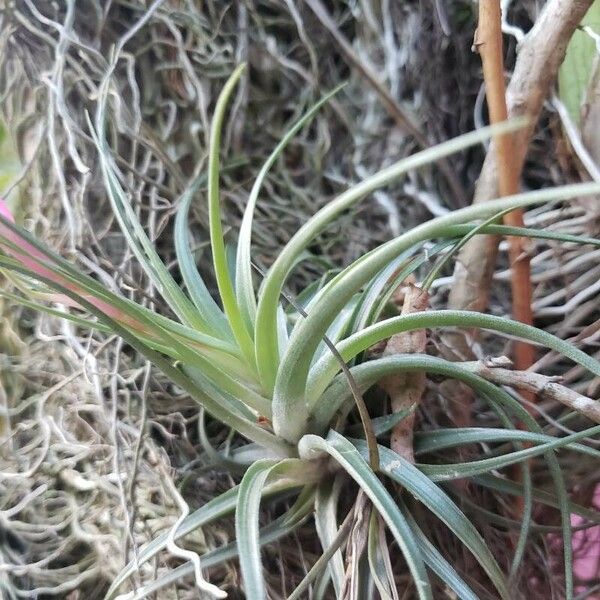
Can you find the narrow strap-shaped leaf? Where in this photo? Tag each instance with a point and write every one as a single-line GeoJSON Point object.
{"type": "Point", "coordinates": [133, 232]}
{"type": "Point", "coordinates": [436, 562]}
{"type": "Point", "coordinates": [213, 317]}
{"type": "Point", "coordinates": [216, 508]}
{"type": "Point", "coordinates": [272, 532]}
{"type": "Point", "coordinates": [539, 234]}
{"type": "Point", "coordinates": [247, 520]}
{"type": "Point", "coordinates": [373, 291]}
{"type": "Point", "coordinates": [219, 460]}
{"type": "Point", "coordinates": [38, 306]}
{"type": "Point", "coordinates": [211, 511]}
{"type": "Point", "coordinates": [337, 329]}
{"type": "Point", "coordinates": [141, 322]}
{"type": "Point", "coordinates": [501, 484]}
{"type": "Point", "coordinates": [447, 257]}
{"type": "Point", "coordinates": [246, 528]}
{"type": "Point", "coordinates": [527, 509]}
{"type": "Point", "coordinates": [85, 322]}
{"type": "Point", "coordinates": [512, 524]}
{"type": "Point", "coordinates": [222, 272]}
{"type": "Point", "coordinates": [381, 425]}
{"type": "Point", "coordinates": [367, 373]}
{"type": "Point", "coordinates": [203, 371]}
{"type": "Point", "coordinates": [320, 566]}
{"type": "Point", "coordinates": [337, 398]}
{"type": "Point", "coordinates": [326, 504]}
{"type": "Point", "coordinates": [246, 427]}
{"type": "Point", "coordinates": [379, 561]}
{"type": "Point", "coordinates": [31, 254]}
{"type": "Point", "coordinates": [346, 455]}
{"type": "Point", "coordinates": [468, 469]}
{"type": "Point", "coordinates": [438, 502]}
{"type": "Point", "coordinates": [243, 282]}
{"type": "Point", "coordinates": [157, 332]}
{"type": "Point", "coordinates": [440, 439]}
{"type": "Point", "coordinates": [416, 262]}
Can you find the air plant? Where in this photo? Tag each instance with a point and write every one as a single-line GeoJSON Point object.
{"type": "Point", "coordinates": [287, 376]}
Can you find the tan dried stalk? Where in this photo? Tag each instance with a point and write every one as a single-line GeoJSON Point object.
{"type": "Point", "coordinates": [406, 389]}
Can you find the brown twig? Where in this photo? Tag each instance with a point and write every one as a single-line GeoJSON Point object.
{"type": "Point", "coordinates": [496, 370]}
{"type": "Point", "coordinates": [406, 389]}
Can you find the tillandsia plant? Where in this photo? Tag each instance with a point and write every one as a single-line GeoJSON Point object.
{"type": "Point", "coordinates": [287, 376]}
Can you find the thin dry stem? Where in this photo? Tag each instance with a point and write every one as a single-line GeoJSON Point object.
{"type": "Point", "coordinates": [547, 387]}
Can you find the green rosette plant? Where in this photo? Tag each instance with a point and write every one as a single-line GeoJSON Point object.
{"type": "Point", "coordinates": [287, 378]}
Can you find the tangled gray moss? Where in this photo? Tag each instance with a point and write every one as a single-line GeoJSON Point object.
{"type": "Point", "coordinates": [99, 452]}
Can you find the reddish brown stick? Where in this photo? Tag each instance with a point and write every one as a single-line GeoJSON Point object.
{"type": "Point", "coordinates": [488, 42]}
